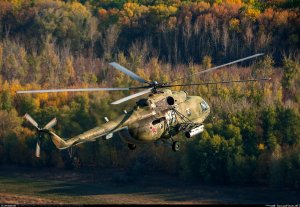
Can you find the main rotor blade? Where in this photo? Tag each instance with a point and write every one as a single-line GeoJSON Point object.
{"type": "Point", "coordinates": [74, 90]}
{"type": "Point", "coordinates": [132, 96]}
{"type": "Point", "coordinates": [31, 120]}
{"type": "Point", "coordinates": [128, 72]}
{"type": "Point", "coordinates": [221, 82]}
{"type": "Point", "coordinates": [220, 66]}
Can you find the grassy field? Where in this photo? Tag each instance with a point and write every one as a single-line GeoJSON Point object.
{"type": "Point", "coordinates": [39, 186]}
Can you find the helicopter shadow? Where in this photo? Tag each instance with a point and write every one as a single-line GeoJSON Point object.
{"type": "Point", "coordinates": [165, 189]}
{"type": "Point", "coordinates": [171, 190]}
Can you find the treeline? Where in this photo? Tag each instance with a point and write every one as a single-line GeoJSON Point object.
{"type": "Point", "coordinates": [175, 31]}
{"type": "Point", "coordinates": [252, 134]}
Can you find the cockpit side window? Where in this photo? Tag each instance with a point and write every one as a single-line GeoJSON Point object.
{"type": "Point", "coordinates": [143, 102]}
{"type": "Point", "coordinates": [204, 106]}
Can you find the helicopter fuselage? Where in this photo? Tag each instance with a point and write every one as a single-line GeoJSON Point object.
{"type": "Point", "coordinates": [161, 116]}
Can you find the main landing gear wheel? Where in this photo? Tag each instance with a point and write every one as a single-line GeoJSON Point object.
{"type": "Point", "coordinates": [176, 146]}
{"type": "Point", "coordinates": [132, 146]}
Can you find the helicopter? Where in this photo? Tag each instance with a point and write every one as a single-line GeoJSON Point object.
{"type": "Point", "coordinates": [157, 119]}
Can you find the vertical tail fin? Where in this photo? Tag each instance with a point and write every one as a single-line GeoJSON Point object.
{"type": "Point", "coordinates": [58, 142]}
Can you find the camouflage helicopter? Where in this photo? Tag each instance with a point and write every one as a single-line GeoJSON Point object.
{"type": "Point", "coordinates": [157, 118]}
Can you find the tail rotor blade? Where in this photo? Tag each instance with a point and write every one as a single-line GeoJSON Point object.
{"type": "Point", "coordinates": [51, 124]}
{"type": "Point", "coordinates": [31, 120]}
{"type": "Point", "coordinates": [38, 149]}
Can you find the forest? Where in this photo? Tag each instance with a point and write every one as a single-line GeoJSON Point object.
{"type": "Point", "coordinates": [252, 135]}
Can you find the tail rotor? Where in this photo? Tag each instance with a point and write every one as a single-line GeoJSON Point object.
{"type": "Point", "coordinates": [40, 131]}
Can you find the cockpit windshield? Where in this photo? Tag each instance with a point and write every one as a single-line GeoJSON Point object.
{"type": "Point", "coordinates": [204, 106]}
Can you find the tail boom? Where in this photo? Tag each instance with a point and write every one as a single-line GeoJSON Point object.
{"type": "Point", "coordinates": [106, 129]}
{"type": "Point", "coordinates": [58, 141]}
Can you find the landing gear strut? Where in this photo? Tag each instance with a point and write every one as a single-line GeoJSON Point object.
{"type": "Point", "coordinates": [71, 158]}
{"type": "Point", "coordinates": [176, 146]}
{"type": "Point", "coordinates": [131, 146]}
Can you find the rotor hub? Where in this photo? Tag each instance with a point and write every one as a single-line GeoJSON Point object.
{"type": "Point", "coordinates": [153, 83]}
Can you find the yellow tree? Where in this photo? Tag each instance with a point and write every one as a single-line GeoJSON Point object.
{"type": "Point", "coordinates": [69, 75]}
{"type": "Point", "coordinates": [50, 63]}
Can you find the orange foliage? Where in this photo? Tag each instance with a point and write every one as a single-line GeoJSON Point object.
{"type": "Point", "coordinates": [268, 13]}
{"type": "Point", "coordinates": [42, 97]}
{"type": "Point", "coordinates": [233, 2]}
{"type": "Point", "coordinates": [224, 10]}
{"type": "Point", "coordinates": [281, 17]}
{"type": "Point", "coordinates": [16, 4]}
{"type": "Point", "coordinates": [200, 7]}
{"type": "Point", "coordinates": [15, 86]}
{"type": "Point", "coordinates": [103, 14]}
{"type": "Point", "coordinates": [4, 7]}
{"type": "Point", "coordinates": [113, 11]}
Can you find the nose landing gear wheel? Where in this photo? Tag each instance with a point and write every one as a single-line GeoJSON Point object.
{"type": "Point", "coordinates": [132, 146]}
{"type": "Point", "coordinates": [176, 146]}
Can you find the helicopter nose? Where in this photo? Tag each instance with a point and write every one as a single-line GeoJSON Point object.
{"type": "Point", "coordinates": [204, 106]}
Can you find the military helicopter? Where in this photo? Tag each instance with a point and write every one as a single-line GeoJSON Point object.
{"type": "Point", "coordinates": [157, 118]}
